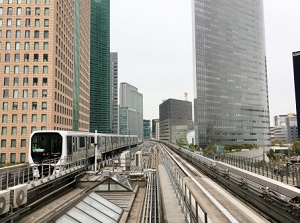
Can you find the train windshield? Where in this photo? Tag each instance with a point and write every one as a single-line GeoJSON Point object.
{"type": "Point", "coordinates": [45, 146]}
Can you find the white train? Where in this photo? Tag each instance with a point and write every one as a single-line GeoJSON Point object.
{"type": "Point", "coordinates": [58, 148]}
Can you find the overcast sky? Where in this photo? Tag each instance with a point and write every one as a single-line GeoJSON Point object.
{"type": "Point", "coordinates": [154, 42]}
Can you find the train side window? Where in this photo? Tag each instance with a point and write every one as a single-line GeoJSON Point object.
{"type": "Point", "coordinates": [69, 145]}
{"type": "Point", "coordinates": [82, 142]}
{"type": "Point", "coordinates": [92, 140]}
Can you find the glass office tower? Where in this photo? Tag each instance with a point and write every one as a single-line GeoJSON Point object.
{"type": "Point", "coordinates": [100, 66]}
{"type": "Point", "coordinates": [230, 78]}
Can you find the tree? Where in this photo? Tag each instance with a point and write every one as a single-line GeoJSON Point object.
{"type": "Point", "coordinates": [210, 149]}
{"type": "Point", "coordinates": [273, 143]}
{"type": "Point", "coordinates": [271, 154]}
{"type": "Point", "coordinates": [296, 147]}
{"type": "Point", "coordinates": [280, 143]}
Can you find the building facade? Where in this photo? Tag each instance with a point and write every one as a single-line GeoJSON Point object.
{"type": "Point", "coordinates": [280, 120]}
{"type": "Point", "coordinates": [175, 120]}
{"type": "Point", "coordinates": [114, 94]}
{"type": "Point", "coordinates": [147, 129]}
{"type": "Point", "coordinates": [155, 128]}
{"type": "Point", "coordinates": [100, 67]}
{"type": "Point", "coordinates": [44, 55]}
{"type": "Point", "coordinates": [292, 128]}
{"type": "Point", "coordinates": [230, 78]}
{"type": "Point", "coordinates": [128, 121]}
{"type": "Point", "coordinates": [131, 99]}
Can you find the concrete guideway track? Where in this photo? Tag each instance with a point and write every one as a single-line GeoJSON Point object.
{"type": "Point", "coordinates": [215, 198]}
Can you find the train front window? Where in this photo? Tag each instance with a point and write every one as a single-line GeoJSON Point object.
{"type": "Point", "coordinates": [46, 146]}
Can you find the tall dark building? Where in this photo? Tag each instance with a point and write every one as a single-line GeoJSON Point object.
{"type": "Point", "coordinates": [175, 120]}
{"type": "Point", "coordinates": [100, 66]}
{"type": "Point", "coordinates": [296, 62]}
{"type": "Point", "coordinates": [231, 100]}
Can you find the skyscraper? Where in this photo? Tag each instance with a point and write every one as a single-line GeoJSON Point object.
{"type": "Point", "coordinates": [45, 51]}
{"type": "Point", "coordinates": [131, 103]}
{"type": "Point", "coordinates": [296, 64]}
{"type": "Point", "coordinates": [114, 107]}
{"type": "Point", "coordinates": [230, 78]}
{"type": "Point", "coordinates": [100, 66]}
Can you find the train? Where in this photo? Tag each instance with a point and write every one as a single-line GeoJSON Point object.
{"type": "Point", "coordinates": [56, 149]}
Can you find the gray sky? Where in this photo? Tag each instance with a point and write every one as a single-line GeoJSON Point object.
{"type": "Point", "coordinates": [154, 42]}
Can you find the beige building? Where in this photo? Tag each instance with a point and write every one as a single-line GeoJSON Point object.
{"type": "Point", "coordinates": [44, 68]}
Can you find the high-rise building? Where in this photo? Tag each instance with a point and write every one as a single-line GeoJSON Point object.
{"type": "Point", "coordinates": [175, 120]}
{"type": "Point", "coordinates": [131, 99]}
{"type": "Point", "coordinates": [45, 72]}
{"type": "Point", "coordinates": [280, 120]}
{"type": "Point", "coordinates": [114, 107]}
{"type": "Point", "coordinates": [155, 128]}
{"type": "Point", "coordinates": [292, 128]}
{"type": "Point", "coordinates": [230, 78]}
{"type": "Point", "coordinates": [147, 129]}
{"type": "Point", "coordinates": [100, 66]}
{"type": "Point", "coordinates": [296, 63]}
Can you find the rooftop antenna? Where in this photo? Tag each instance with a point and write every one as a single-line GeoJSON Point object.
{"type": "Point", "coordinates": [185, 96]}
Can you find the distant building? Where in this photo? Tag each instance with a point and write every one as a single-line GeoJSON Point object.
{"type": "Point", "coordinates": [285, 129]}
{"type": "Point", "coordinates": [296, 63]}
{"type": "Point", "coordinates": [132, 102]}
{"type": "Point", "coordinates": [280, 120]}
{"type": "Point", "coordinates": [190, 137]}
{"type": "Point", "coordinates": [175, 120]}
{"type": "Point", "coordinates": [292, 128]}
{"type": "Point", "coordinates": [155, 128]}
{"type": "Point", "coordinates": [280, 134]}
{"type": "Point", "coordinates": [114, 107]}
{"type": "Point", "coordinates": [147, 129]}
{"type": "Point", "coordinates": [128, 121]}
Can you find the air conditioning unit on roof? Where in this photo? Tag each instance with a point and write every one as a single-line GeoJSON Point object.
{"type": "Point", "coordinates": [4, 201]}
{"type": "Point", "coordinates": [18, 195]}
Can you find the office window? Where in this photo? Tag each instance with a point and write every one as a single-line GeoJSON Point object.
{"type": "Point", "coordinates": [5, 93]}
{"type": "Point", "coordinates": [27, 33]}
{"type": "Point", "coordinates": [25, 81]}
{"type": "Point", "coordinates": [17, 46]}
{"type": "Point", "coordinates": [18, 22]}
{"type": "Point", "coordinates": [46, 22]}
{"type": "Point", "coordinates": [16, 81]}
{"type": "Point", "coordinates": [7, 46]}
{"type": "Point", "coordinates": [44, 105]}
{"type": "Point", "coordinates": [37, 1]}
{"type": "Point", "coordinates": [45, 57]}
{"type": "Point", "coordinates": [37, 11]}
{"type": "Point", "coordinates": [4, 118]}
{"type": "Point", "coordinates": [15, 93]}
{"type": "Point", "coordinates": [9, 11]}
{"type": "Point", "coordinates": [34, 105]}
{"type": "Point", "coordinates": [36, 34]}
{"type": "Point", "coordinates": [6, 81]}
{"type": "Point", "coordinates": [46, 34]}
{"type": "Point", "coordinates": [47, 11]}
{"type": "Point", "coordinates": [9, 22]}
{"type": "Point", "coordinates": [8, 33]}
{"type": "Point", "coordinates": [13, 144]}
{"type": "Point", "coordinates": [6, 69]}
{"type": "Point", "coordinates": [10, 1]}
{"type": "Point", "coordinates": [44, 118]}
{"type": "Point", "coordinates": [26, 46]}
{"type": "Point", "coordinates": [19, 11]}
{"type": "Point", "coordinates": [1, 11]}
{"type": "Point", "coordinates": [5, 106]}
{"type": "Point", "coordinates": [45, 81]}
{"type": "Point", "coordinates": [0, 33]}
{"type": "Point", "coordinates": [24, 130]}
{"type": "Point", "coordinates": [4, 131]}
{"type": "Point", "coordinates": [33, 128]}
{"type": "Point", "coordinates": [1, 22]}
{"type": "Point", "coordinates": [18, 33]}
{"type": "Point", "coordinates": [23, 144]}
{"type": "Point", "coordinates": [28, 10]}
{"type": "Point", "coordinates": [19, 1]}
{"type": "Point", "coordinates": [37, 23]}
{"type": "Point", "coordinates": [35, 69]}
{"type": "Point", "coordinates": [36, 45]}
{"type": "Point", "coordinates": [16, 69]}
{"type": "Point", "coordinates": [33, 118]}
{"type": "Point", "coordinates": [3, 155]}
{"type": "Point", "coordinates": [24, 106]}
{"type": "Point", "coordinates": [14, 130]}
{"type": "Point", "coordinates": [46, 45]}
{"type": "Point", "coordinates": [17, 57]}
{"type": "Point", "coordinates": [24, 118]}
{"type": "Point", "coordinates": [23, 155]}
{"type": "Point", "coordinates": [34, 93]}
{"type": "Point", "coordinates": [43, 128]}
{"type": "Point", "coordinates": [35, 57]}
{"type": "Point", "coordinates": [47, 1]}
{"type": "Point", "coordinates": [25, 92]}
{"type": "Point", "coordinates": [26, 57]}
{"type": "Point", "coordinates": [27, 22]}
{"type": "Point", "coordinates": [15, 105]}
{"type": "Point", "coordinates": [45, 69]}
{"type": "Point", "coordinates": [44, 93]}
{"type": "Point", "coordinates": [26, 70]}
{"type": "Point", "coordinates": [7, 57]}
{"type": "Point", "coordinates": [28, 1]}
{"type": "Point", "coordinates": [35, 81]}
{"type": "Point", "coordinates": [12, 155]}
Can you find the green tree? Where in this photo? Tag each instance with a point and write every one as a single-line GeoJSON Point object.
{"type": "Point", "coordinates": [210, 149]}
{"type": "Point", "coordinates": [273, 143]}
{"type": "Point", "coordinates": [180, 143]}
{"type": "Point", "coordinates": [280, 143]}
{"type": "Point", "coordinates": [271, 154]}
{"type": "Point", "coordinates": [296, 147]}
